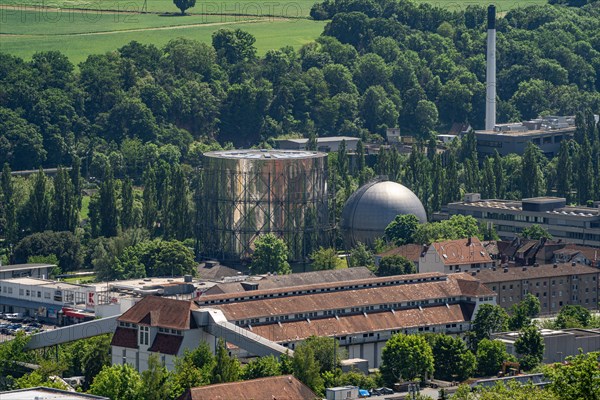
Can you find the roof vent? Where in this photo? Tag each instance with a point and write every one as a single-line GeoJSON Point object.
{"type": "Point", "coordinates": [524, 268]}
{"type": "Point", "coordinates": [474, 273]}
{"type": "Point", "coordinates": [505, 269]}
{"type": "Point", "coordinates": [573, 263]}
{"type": "Point", "coordinates": [493, 268]}
{"type": "Point", "coordinates": [555, 266]}
{"type": "Point", "coordinates": [536, 265]}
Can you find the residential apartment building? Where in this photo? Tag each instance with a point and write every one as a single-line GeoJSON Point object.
{"type": "Point", "coordinates": [555, 285]}
{"type": "Point", "coordinates": [578, 225]}
{"type": "Point", "coordinates": [362, 314]}
{"type": "Point", "coordinates": [454, 256]}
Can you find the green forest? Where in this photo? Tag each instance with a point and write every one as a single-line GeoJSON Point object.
{"type": "Point", "coordinates": [129, 127]}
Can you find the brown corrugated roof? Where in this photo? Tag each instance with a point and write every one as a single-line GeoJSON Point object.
{"type": "Point", "coordinates": [462, 251]}
{"type": "Point", "coordinates": [543, 271]}
{"type": "Point", "coordinates": [161, 311]}
{"type": "Point", "coordinates": [291, 280]}
{"type": "Point", "coordinates": [410, 251]}
{"type": "Point", "coordinates": [356, 324]}
{"type": "Point", "coordinates": [374, 280]}
{"type": "Point", "coordinates": [271, 388]}
{"type": "Point", "coordinates": [166, 344]}
{"type": "Point", "coordinates": [452, 287]}
{"type": "Point", "coordinates": [125, 337]}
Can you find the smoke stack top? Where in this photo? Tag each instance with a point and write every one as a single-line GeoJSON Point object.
{"type": "Point", "coordinates": [491, 17]}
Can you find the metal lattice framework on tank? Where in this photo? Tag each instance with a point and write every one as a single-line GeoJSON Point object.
{"type": "Point", "coordinates": [247, 193]}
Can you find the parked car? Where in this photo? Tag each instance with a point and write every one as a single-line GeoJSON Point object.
{"type": "Point", "coordinates": [385, 390]}
{"type": "Point", "coordinates": [363, 393]}
{"type": "Point", "coordinates": [35, 325]}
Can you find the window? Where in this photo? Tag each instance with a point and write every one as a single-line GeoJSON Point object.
{"type": "Point", "coordinates": [144, 330]}
{"type": "Point", "coordinates": [21, 292]}
{"type": "Point", "coordinates": [46, 295]}
{"type": "Point", "coordinates": [39, 294]}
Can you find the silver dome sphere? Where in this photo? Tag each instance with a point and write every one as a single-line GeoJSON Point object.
{"type": "Point", "coordinates": [372, 207]}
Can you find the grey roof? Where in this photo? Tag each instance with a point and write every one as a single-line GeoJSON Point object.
{"type": "Point", "coordinates": [291, 280]}
{"type": "Point", "coordinates": [17, 267]}
{"type": "Point", "coordinates": [216, 272]}
{"type": "Point", "coordinates": [264, 154]}
{"type": "Point", "coordinates": [41, 392]}
{"type": "Point", "coordinates": [373, 206]}
{"type": "Point", "coordinates": [327, 139]}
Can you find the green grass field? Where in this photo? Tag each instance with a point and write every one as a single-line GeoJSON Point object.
{"type": "Point", "coordinates": [51, 22]}
{"type": "Point", "coordinates": [80, 28]}
{"type": "Point", "coordinates": [78, 47]}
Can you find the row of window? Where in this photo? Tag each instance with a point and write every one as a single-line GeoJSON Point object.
{"type": "Point", "coordinates": [353, 310]}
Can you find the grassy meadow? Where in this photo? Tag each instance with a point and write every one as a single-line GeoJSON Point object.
{"type": "Point", "coordinates": [82, 27]}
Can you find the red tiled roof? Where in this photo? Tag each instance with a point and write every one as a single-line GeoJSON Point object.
{"type": "Point", "coordinates": [272, 388]}
{"type": "Point", "coordinates": [166, 344]}
{"type": "Point", "coordinates": [356, 324]}
{"type": "Point", "coordinates": [453, 286]}
{"type": "Point", "coordinates": [543, 271]}
{"type": "Point", "coordinates": [163, 312]}
{"type": "Point", "coordinates": [410, 251]}
{"type": "Point", "coordinates": [462, 251]}
{"type": "Point", "coordinates": [125, 337]}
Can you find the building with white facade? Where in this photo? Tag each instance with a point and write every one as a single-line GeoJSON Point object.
{"type": "Point", "coordinates": [52, 301]}
{"type": "Point", "coordinates": [455, 255]}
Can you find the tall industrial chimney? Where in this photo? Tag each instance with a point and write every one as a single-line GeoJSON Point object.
{"type": "Point", "coordinates": [490, 100]}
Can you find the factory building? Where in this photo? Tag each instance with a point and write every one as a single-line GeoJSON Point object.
{"type": "Point", "coordinates": [324, 144]}
{"type": "Point", "coordinates": [247, 193]}
{"type": "Point", "coordinates": [558, 344]}
{"type": "Point", "coordinates": [362, 314]}
{"type": "Point", "coordinates": [574, 224]}
{"type": "Point", "coordinates": [546, 133]}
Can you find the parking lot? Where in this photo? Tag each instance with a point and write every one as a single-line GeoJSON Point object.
{"type": "Point", "coordinates": [9, 328]}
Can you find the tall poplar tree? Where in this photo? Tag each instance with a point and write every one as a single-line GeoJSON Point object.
{"type": "Point", "coordinates": [127, 213]}
{"type": "Point", "coordinates": [39, 204]}
{"type": "Point", "coordinates": [178, 210]}
{"type": "Point", "coordinates": [8, 206]}
{"type": "Point", "coordinates": [64, 207]}
{"type": "Point", "coordinates": [532, 178]}
{"type": "Point", "coordinates": [150, 205]}
{"type": "Point", "coordinates": [76, 180]}
{"type": "Point", "coordinates": [488, 180]}
{"type": "Point", "coordinates": [580, 127]}
{"type": "Point", "coordinates": [564, 171]}
{"type": "Point", "coordinates": [452, 186]}
{"type": "Point", "coordinates": [499, 175]}
{"type": "Point", "coordinates": [107, 207]}
{"type": "Point", "coordinates": [585, 173]}
{"type": "Point", "coordinates": [437, 183]}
